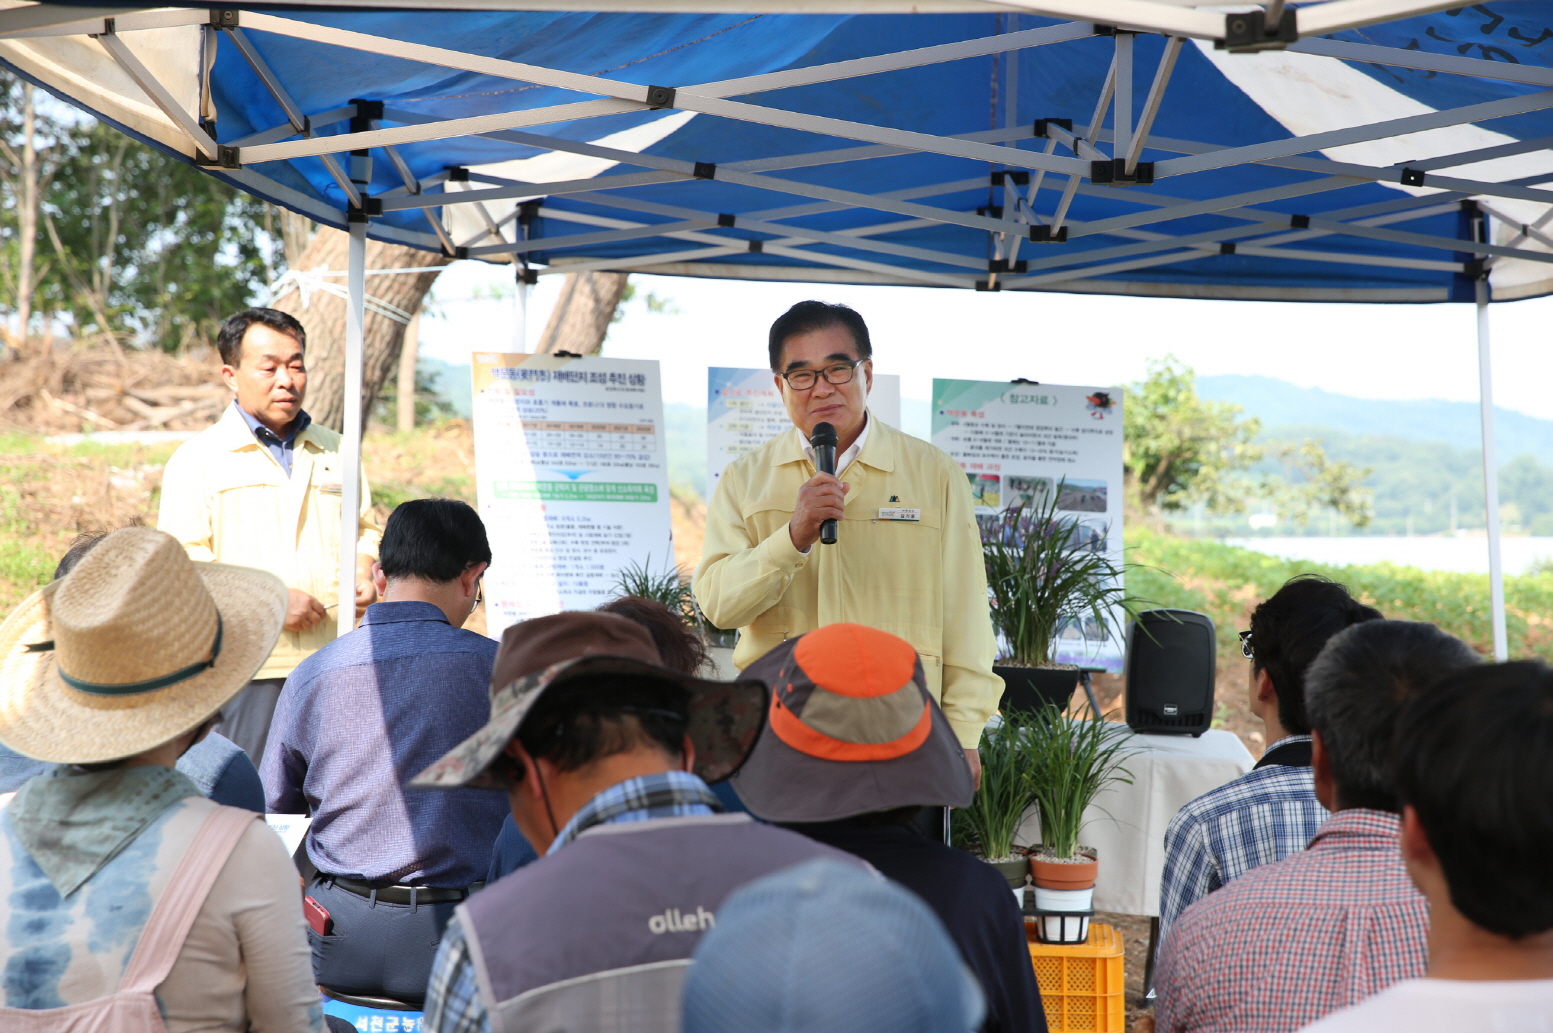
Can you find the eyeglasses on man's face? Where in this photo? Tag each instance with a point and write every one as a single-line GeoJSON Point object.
{"type": "Point", "coordinates": [804, 379]}
{"type": "Point", "coordinates": [1245, 646]}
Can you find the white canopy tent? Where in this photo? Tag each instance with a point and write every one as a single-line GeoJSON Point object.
{"type": "Point", "coordinates": [1084, 197]}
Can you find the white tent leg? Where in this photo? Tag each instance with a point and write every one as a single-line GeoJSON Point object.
{"type": "Point", "coordinates": [520, 317]}
{"type": "Point", "coordinates": [1490, 477]}
{"type": "Point", "coordinates": [350, 449]}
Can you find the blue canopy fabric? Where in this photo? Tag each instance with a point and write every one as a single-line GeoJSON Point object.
{"type": "Point", "coordinates": [1368, 220]}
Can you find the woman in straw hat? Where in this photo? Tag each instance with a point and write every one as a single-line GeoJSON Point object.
{"type": "Point", "coordinates": [123, 890]}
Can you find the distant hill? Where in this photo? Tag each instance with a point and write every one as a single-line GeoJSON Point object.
{"type": "Point", "coordinates": [1278, 404]}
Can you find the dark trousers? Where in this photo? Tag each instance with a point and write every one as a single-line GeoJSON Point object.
{"type": "Point", "coordinates": [246, 719]}
{"type": "Point", "coordinates": [376, 949]}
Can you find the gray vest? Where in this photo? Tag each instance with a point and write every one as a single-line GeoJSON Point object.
{"type": "Point", "coordinates": [598, 937]}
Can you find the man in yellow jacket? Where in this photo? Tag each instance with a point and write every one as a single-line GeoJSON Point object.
{"type": "Point", "coordinates": [262, 488]}
{"type": "Point", "coordinates": [907, 559]}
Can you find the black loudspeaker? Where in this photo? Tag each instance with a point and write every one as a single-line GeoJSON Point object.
{"type": "Point", "coordinates": [1170, 661]}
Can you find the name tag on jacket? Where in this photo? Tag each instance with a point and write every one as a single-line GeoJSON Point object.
{"type": "Point", "coordinates": [896, 513]}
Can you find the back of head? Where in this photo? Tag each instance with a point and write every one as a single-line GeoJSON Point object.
{"type": "Point", "coordinates": [433, 540]}
{"type": "Point", "coordinates": [1356, 690]}
{"type": "Point", "coordinates": [824, 947]}
{"type": "Point", "coordinates": [681, 648]}
{"type": "Point", "coordinates": [807, 317]}
{"type": "Point", "coordinates": [1290, 628]}
{"type": "Point", "coordinates": [1474, 759]}
{"type": "Point", "coordinates": [80, 545]}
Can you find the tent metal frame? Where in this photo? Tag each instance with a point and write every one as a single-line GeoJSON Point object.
{"type": "Point", "coordinates": [1039, 183]}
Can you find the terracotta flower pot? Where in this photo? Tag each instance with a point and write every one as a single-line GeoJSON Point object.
{"type": "Point", "coordinates": [1064, 875]}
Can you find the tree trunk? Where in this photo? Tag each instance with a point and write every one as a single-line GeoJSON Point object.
{"type": "Point", "coordinates": [27, 217]}
{"type": "Point", "coordinates": [582, 313]}
{"type": "Point", "coordinates": [323, 316]}
{"type": "Point", "coordinates": [409, 355]}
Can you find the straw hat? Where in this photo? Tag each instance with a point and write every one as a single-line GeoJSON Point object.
{"type": "Point", "coordinates": [136, 646]}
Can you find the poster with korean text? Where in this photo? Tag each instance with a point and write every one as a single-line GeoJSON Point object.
{"type": "Point", "coordinates": [744, 411]}
{"type": "Point", "coordinates": [1019, 443]}
{"type": "Point", "coordinates": [572, 478]}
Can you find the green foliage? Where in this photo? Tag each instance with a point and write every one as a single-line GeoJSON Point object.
{"type": "Point", "coordinates": [430, 405]}
{"type": "Point", "coordinates": [1008, 756]}
{"type": "Point", "coordinates": [1226, 582]}
{"type": "Point", "coordinates": [1182, 450]}
{"type": "Point", "coordinates": [131, 241]}
{"type": "Point", "coordinates": [670, 587]}
{"type": "Point", "coordinates": [1041, 570]}
{"type": "Point", "coordinates": [1073, 761]}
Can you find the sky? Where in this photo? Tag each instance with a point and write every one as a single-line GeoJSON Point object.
{"type": "Point", "coordinates": [1367, 351]}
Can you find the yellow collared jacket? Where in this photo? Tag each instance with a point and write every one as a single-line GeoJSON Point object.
{"type": "Point", "coordinates": [225, 498]}
{"type": "Point", "coordinates": [922, 580]}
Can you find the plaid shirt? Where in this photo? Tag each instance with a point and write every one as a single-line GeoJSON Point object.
{"type": "Point", "coordinates": [1261, 817]}
{"type": "Point", "coordinates": [1297, 939]}
{"type": "Point", "coordinates": [453, 1003]}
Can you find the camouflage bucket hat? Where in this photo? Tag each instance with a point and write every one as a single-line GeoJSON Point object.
{"type": "Point", "coordinates": [545, 655]}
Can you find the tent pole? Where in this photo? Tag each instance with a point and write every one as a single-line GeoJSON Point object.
{"type": "Point", "coordinates": [1490, 477]}
{"type": "Point", "coordinates": [350, 449]}
{"type": "Point", "coordinates": [520, 316]}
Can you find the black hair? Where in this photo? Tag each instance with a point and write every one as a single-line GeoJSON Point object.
{"type": "Point", "coordinates": [597, 716]}
{"type": "Point", "coordinates": [229, 342]}
{"type": "Point", "coordinates": [682, 649]}
{"type": "Point", "coordinates": [1356, 690]}
{"type": "Point", "coordinates": [1288, 630]}
{"type": "Point", "coordinates": [80, 545]}
{"type": "Point", "coordinates": [808, 316]}
{"type": "Point", "coordinates": [433, 539]}
{"type": "Point", "coordinates": [1474, 759]}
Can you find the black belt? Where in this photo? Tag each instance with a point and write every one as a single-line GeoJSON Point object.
{"type": "Point", "coordinates": [395, 893]}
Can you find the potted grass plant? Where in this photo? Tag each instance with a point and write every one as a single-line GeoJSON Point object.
{"type": "Point", "coordinates": [1046, 572]}
{"type": "Point", "coordinates": [1073, 760]}
{"type": "Point", "coordinates": [671, 587]}
{"type": "Point", "coordinates": [988, 826]}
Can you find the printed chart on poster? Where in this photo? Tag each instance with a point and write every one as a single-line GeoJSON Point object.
{"type": "Point", "coordinates": [572, 477]}
{"type": "Point", "coordinates": [1018, 443]}
{"type": "Point", "coordinates": [744, 411]}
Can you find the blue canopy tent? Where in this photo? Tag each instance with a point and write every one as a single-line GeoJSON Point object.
{"type": "Point", "coordinates": [1352, 150]}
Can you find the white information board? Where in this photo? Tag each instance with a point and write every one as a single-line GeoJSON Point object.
{"type": "Point", "coordinates": [744, 411]}
{"type": "Point", "coordinates": [1020, 442]}
{"type": "Point", "coordinates": [572, 476]}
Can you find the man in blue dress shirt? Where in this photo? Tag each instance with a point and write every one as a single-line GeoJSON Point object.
{"type": "Point", "coordinates": [360, 717]}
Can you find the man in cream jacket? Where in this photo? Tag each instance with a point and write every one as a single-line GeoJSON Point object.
{"type": "Point", "coordinates": [908, 555]}
{"type": "Point", "coordinates": [262, 488]}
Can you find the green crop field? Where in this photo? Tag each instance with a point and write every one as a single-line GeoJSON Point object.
{"type": "Point", "coordinates": [1227, 582]}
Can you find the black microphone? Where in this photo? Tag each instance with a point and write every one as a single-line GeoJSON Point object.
{"type": "Point", "coordinates": [823, 441]}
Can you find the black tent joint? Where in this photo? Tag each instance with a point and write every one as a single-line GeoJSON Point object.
{"type": "Point", "coordinates": [1227, 247]}
{"type": "Point", "coordinates": [1112, 172]}
{"type": "Point", "coordinates": [1412, 177]}
{"type": "Point", "coordinates": [660, 97]}
{"type": "Point", "coordinates": [1041, 125]}
{"type": "Point", "coordinates": [1019, 177]}
{"type": "Point", "coordinates": [1001, 265]}
{"type": "Point", "coordinates": [757, 246]}
{"type": "Point", "coordinates": [986, 285]}
{"type": "Point", "coordinates": [705, 170]}
{"type": "Point", "coordinates": [1247, 33]}
{"type": "Point", "coordinates": [1044, 235]}
{"type": "Point", "coordinates": [726, 220]}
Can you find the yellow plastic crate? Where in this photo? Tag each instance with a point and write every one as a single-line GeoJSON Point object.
{"type": "Point", "coordinates": [1082, 984]}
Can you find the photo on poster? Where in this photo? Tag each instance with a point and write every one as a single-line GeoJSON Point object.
{"type": "Point", "coordinates": [1076, 496]}
{"type": "Point", "coordinates": [985, 491]}
{"type": "Point", "coordinates": [1030, 493]}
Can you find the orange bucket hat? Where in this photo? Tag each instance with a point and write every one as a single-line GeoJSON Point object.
{"type": "Point", "coordinates": [850, 729]}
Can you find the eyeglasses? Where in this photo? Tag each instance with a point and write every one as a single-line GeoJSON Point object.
{"type": "Point", "coordinates": [1245, 646]}
{"type": "Point", "coordinates": [479, 593]}
{"type": "Point", "coordinates": [804, 379]}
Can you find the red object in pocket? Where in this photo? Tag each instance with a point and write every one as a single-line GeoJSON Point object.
{"type": "Point", "coordinates": [317, 917]}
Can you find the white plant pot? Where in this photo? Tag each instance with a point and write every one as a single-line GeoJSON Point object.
{"type": "Point", "coordinates": [1061, 928]}
{"type": "Point", "coordinates": [1064, 900]}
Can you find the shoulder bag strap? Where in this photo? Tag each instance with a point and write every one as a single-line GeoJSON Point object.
{"type": "Point", "coordinates": [182, 898]}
